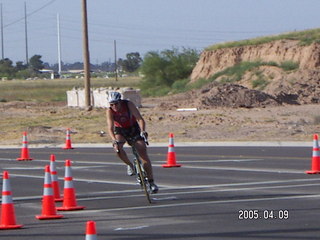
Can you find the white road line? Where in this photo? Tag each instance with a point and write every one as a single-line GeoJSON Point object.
{"type": "Point", "coordinates": [93, 165]}
{"type": "Point", "coordinates": [239, 160]}
{"type": "Point", "coordinates": [73, 161]}
{"type": "Point", "coordinates": [165, 198]}
{"type": "Point", "coordinates": [238, 189]}
{"type": "Point", "coordinates": [246, 169]}
{"type": "Point", "coordinates": [172, 195]}
{"type": "Point", "coordinates": [130, 228]}
{"type": "Point", "coordinates": [158, 162]}
{"type": "Point", "coordinates": [243, 184]}
{"type": "Point", "coordinates": [83, 196]}
{"type": "Point", "coordinates": [166, 186]}
{"type": "Point", "coordinates": [199, 203]}
{"type": "Point", "coordinates": [216, 160]}
{"type": "Point", "coordinates": [196, 189]}
{"type": "Point", "coordinates": [132, 182]}
{"type": "Point", "coordinates": [23, 168]}
{"type": "Point", "coordinates": [184, 166]}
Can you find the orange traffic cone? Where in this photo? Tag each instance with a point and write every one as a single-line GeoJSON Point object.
{"type": "Point", "coordinates": [24, 150]}
{"type": "Point", "coordinates": [171, 157]}
{"type": "Point", "coordinates": [68, 140]}
{"type": "Point", "coordinates": [54, 179]}
{"type": "Point", "coordinates": [91, 233]}
{"type": "Point", "coordinates": [69, 193]}
{"type": "Point", "coordinates": [315, 165]}
{"type": "Point", "coordinates": [8, 219]}
{"type": "Point", "coordinates": [48, 205]}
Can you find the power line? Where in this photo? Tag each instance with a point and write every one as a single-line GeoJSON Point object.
{"type": "Point", "coordinates": [30, 14]}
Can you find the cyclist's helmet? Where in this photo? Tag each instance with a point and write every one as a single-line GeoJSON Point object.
{"type": "Point", "coordinates": [114, 97]}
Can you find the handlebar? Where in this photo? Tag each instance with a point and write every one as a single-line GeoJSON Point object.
{"type": "Point", "coordinates": [145, 139]}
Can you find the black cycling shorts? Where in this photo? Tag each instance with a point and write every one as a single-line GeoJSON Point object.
{"type": "Point", "coordinates": [131, 134]}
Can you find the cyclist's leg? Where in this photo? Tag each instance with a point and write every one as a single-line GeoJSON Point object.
{"type": "Point", "coordinates": [122, 154]}
{"type": "Point", "coordinates": [142, 151]}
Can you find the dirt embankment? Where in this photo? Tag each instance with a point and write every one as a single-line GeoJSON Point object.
{"type": "Point", "coordinates": [299, 86]}
{"type": "Point", "coordinates": [285, 108]}
{"type": "Point", "coordinates": [279, 51]}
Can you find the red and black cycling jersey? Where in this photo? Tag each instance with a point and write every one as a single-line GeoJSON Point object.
{"type": "Point", "coordinates": [123, 118]}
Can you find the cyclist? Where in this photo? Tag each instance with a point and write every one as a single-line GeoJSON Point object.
{"type": "Point", "coordinates": [125, 124]}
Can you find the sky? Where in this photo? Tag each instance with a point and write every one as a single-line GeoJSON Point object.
{"type": "Point", "coordinates": [143, 25]}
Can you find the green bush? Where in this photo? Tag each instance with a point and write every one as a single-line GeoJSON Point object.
{"type": "Point", "coordinates": [260, 83]}
{"type": "Point", "coordinates": [180, 85]}
{"type": "Point", "coordinates": [165, 68]}
{"type": "Point", "coordinates": [236, 72]}
{"type": "Point", "coordinates": [156, 91]}
{"type": "Point", "coordinates": [289, 65]}
{"type": "Point", "coordinates": [199, 83]}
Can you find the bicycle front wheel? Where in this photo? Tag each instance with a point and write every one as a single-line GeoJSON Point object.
{"type": "Point", "coordinates": [143, 180]}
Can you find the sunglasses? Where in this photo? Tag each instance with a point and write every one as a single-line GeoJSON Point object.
{"type": "Point", "coordinates": [114, 104]}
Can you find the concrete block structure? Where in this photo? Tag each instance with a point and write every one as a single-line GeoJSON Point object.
{"type": "Point", "coordinates": [99, 97]}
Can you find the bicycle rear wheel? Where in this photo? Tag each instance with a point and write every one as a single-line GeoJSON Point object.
{"type": "Point", "coordinates": [143, 180]}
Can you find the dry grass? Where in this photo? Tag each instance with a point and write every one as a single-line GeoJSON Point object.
{"type": "Point", "coordinates": [53, 90]}
{"type": "Point", "coordinates": [47, 123]}
{"type": "Point", "coordinates": [40, 108]}
{"type": "Point", "coordinates": [305, 37]}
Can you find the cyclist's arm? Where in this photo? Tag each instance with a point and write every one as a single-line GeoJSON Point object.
{"type": "Point", "coordinates": [135, 112]}
{"type": "Point", "coordinates": [110, 125]}
{"type": "Point", "coordinates": [110, 129]}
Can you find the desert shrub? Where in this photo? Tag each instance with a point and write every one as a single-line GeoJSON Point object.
{"type": "Point", "coordinates": [289, 65]}
{"type": "Point", "coordinates": [180, 85]}
{"type": "Point", "coordinates": [162, 69]}
{"type": "Point", "coordinates": [260, 83]}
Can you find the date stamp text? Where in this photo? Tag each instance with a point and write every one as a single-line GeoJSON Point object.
{"type": "Point", "coordinates": [255, 214]}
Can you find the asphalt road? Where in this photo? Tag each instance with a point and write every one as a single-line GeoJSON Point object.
{"type": "Point", "coordinates": [217, 193]}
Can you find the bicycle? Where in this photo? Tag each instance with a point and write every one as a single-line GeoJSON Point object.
{"type": "Point", "coordinates": [142, 178]}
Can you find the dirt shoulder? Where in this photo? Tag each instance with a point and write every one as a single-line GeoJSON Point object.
{"type": "Point", "coordinates": [46, 123]}
{"type": "Point", "coordinates": [271, 123]}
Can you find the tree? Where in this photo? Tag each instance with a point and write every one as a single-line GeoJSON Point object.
{"type": "Point", "coordinates": [132, 63]}
{"type": "Point", "coordinates": [20, 66]}
{"type": "Point", "coordinates": [6, 68]}
{"type": "Point", "coordinates": [35, 63]}
{"type": "Point", "coordinates": [168, 66]}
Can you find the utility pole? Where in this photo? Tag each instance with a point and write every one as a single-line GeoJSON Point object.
{"type": "Point", "coordinates": [86, 61]}
{"type": "Point", "coordinates": [115, 60]}
{"type": "Point", "coordinates": [26, 31]}
{"type": "Point", "coordinates": [59, 46]}
{"type": "Point", "coordinates": [2, 45]}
